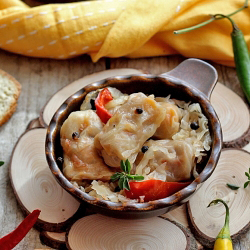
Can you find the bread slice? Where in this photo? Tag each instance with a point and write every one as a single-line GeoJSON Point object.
{"type": "Point", "coordinates": [10, 90]}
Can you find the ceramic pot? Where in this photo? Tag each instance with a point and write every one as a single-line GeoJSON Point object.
{"type": "Point", "coordinates": [193, 80]}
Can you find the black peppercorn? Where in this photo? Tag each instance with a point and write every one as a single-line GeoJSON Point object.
{"type": "Point", "coordinates": [139, 111]}
{"type": "Point", "coordinates": [75, 135]}
{"type": "Point", "coordinates": [92, 102]}
{"type": "Point", "coordinates": [117, 189]}
{"type": "Point", "coordinates": [60, 160]}
{"type": "Point", "coordinates": [194, 125]}
{"type": "Point", "coordinates": [144, 149]}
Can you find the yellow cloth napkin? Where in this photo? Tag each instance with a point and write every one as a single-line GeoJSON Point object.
{"type": "Point", "coordinates": [116, 28]}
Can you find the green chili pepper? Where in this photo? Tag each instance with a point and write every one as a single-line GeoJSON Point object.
{"type": "Point", "coordinates": [241, 57]}
{"type": "Point", "coordinates": [241, 53]}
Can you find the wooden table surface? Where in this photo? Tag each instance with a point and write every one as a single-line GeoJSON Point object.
{"type": "Point", "coordinates": [40, 78]}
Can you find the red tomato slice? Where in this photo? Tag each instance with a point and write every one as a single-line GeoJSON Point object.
{"type": "Point", "coordinates": [153, 189]}
{"type": "Point", "coordinates": [102, 99]}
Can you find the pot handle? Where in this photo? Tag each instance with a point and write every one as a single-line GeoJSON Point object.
{"type": "Point", "coordinates": [196, 73]}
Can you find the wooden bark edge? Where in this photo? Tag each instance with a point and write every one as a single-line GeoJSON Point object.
{"type": "Point", "coordinates": [240, 142]}
{"type": "Point", "coordinates": [33, 124]}
{"type": "Point", "coordinates": [50, 242]}
{"type": "Point", "coordinates": [191, 241]}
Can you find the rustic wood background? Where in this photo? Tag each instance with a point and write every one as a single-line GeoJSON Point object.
{"type": "Point", "coordinates": [40, 78]}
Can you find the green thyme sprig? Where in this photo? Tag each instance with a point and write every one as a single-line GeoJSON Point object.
{"type": "Point", "coordinates": [125, 176]}
{"type": "Point", "coordinates": [248, 176]}
{"type": "Point", "coordinates": [1, 163]}
{"type": "Point", "coordinates": [233, 187]}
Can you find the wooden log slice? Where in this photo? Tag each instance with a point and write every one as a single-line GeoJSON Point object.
{"type": "Point", "coordinates": [101, 232]}
{"type": "Point", "coordinates": [233, 114]}
{"type": "Point", "coordinates": [58, 98]}
{"type": "Point", "coordinates": [35, 123]}
{"type": "Point", "coordinates": [205, 222]}
{"type": "Point", "coordinates": [53, 240]}
{"type": "Point", "coordinates": [178, 215]}
{"type": "Point", "coordinates": [247, 147]}
{"type": "Point", "coordinates": [36, 188]}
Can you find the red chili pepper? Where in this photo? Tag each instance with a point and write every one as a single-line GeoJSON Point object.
{"type": "Point", "coordinates": [102, 99]}
{"type": "Point", "coordinates": [10, 240]}
{"type": "Point", "coordinates": [153, 189]}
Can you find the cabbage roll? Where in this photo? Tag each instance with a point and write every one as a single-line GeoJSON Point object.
{"type": "Point", "coordinates": [128, 129]}
{"type": "Point", "coordinates": [171, 122]}
{"type": "Point", "coordinates": [166, 160]}
{"type": "Point", "coordinates": [81, 159]}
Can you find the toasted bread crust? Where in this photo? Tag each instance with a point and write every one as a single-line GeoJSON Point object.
{"type": "Point", "coordinates": [15, 95]}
